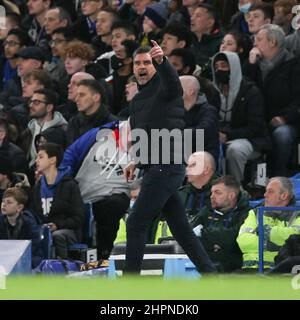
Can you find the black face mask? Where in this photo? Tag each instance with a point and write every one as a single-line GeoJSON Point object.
{"type": "Point", "coordinates": [116, 63]}
{"type": "Point", "coordinates": [222, 76]}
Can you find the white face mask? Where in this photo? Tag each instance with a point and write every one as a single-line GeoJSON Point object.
{"type": "Point", "coordinates": [245, 8]}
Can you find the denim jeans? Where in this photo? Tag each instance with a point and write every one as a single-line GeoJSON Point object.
{"type": "Point", "coordinates": [283, 138]}
{"type": "Point", "coordinates": [159, 193]}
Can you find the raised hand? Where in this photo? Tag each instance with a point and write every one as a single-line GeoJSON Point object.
{"type": "Point", "coordinates": [156, 52]}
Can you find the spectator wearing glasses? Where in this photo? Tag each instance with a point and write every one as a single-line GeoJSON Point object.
{"type": "Point", "coordinates": [41, 109]}
{"type": "Point", "coordinates": [15, 40]}
{"type": "Point", "coordinates": [59, 39]}
{"type": "Point", "coordinates": [32, 80]}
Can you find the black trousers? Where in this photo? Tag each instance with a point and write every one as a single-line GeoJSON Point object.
{"type": "Point", "coordinates": [159, 192]}
{"type": "Point", "coordinates": [107, 214]}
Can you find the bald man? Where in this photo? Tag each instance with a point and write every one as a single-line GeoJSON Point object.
{"type": "Point", "coordinates": [199, 114]}
{"type": "Point", "coordinates": [200, 172]}
{"type": "Point", "coordinates": [69, 109]}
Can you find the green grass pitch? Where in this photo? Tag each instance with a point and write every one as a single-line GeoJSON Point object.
{"type": "Point", "coordinates": [150, 287]}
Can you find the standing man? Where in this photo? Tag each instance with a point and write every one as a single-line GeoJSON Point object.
{"type": "Point", "coordinates": [158, 105]}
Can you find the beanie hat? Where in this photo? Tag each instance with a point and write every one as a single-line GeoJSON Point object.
{"type": "Point", "coordinates": [157, 12]}
{"type": "Point", "coordinates": [5, 164]}
{"type": "Point", "coordinates": [220, 56]}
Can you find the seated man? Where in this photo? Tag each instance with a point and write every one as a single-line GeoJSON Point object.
{"type": "Point", "coordinates": [278, 225]}
{"type": "Point", "coordinates": [196, 192]}
{"type": "Point", "coordinates": [242, 124]}
{"type": "Point", "coordinates": [277, 73]}
{"type": "Point", "coordinates": [218, 224]}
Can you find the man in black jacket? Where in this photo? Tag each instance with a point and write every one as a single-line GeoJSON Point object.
{"type": "Point", "coordinates": [158, 105]}
{"type": "Point", "coordinates": [92, 110]}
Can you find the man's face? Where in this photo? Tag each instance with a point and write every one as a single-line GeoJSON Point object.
{"type": "Point", "coordinates": [118, 36]}
{"type": "Point", "coordinates": [273, 195]}
{"type": "Point", "coordinates": [38, 106]}
{"type": "Point", "coordinates": [52, 21]}
{"type": "Point", "coordinates": [194, 168]}
{"type": "Point", "coordinates": [143, 68]}
{"type": "Point", "coordinates": [280, 18]}
{"type": "Point", "coordinates": [29, 86]}
{"type": "Point", "coordinates": [103, 23]}
{"type": "Point", "coordinates": [200, 21]}
{"type": "Point", "coordinates": [73, 86]}
{"type": "Point", "coordinates": [73, 65]}
{"type": "Point", "coordinates": [36, 7]}
{"type": "Point", "coordinates": [262, 43]}
{"type": "Point", "coordinates": [140, 6]}
{"type": "Point", "coordinates": [57, 44]}
{"type": "Point", "coordinates": [221, 196]}
{"type": "Point", "coordinates": [85, 99]}
{"type": "Point", "coordinates": [11, 46]}
{"type": "Point", "coordinates": [42, 161]}
{"type": "Point", "coordinates": [177, 63]}
{"type": "Point", "coordinates": [10, 206]}
{"type": "Point", "coordinates": [169, 43]}
{"type": "Point", "coordinates": [90, 7]}
{"type": "Point", "coordinates": [222, 65]}
{"type": "Point", "coordinates": [25, 65]}
{"type": "Point", "coordinates": [255, 20]}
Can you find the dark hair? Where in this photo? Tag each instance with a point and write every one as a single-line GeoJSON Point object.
{"type": "Point", "coordinates": [63, 14]}
{"type": "Point", "coordinates": [187, 56]}
{"type": "Point", "coordinates": [212, 13]}
{"type": "Point", "coordinates": [15, 18]}
{"type": "Point", "coordinates": [42, 76]}
{"type": "Point", "coordinates": [180, 31]}
{"type": "Point", "coordinates": [53, 150]}
{"type": "Point", "coordinates": [141, 50]}
{"type": "Point", "coordinates": [266, 8]}
{"type": "Point", "coordinates": [18, 193]}
{"type": "Point", "coordinates": [243, 41]}
{"type": "Point", "coordinates": [230, 182]}
{"type": "Point", "coordinates": [67, 32]}
{"type": "Point", "coordinates": [130, 47]}
{"type": "Point", "coordinates": [4, 125]}
{"type": "Point", "coordinates": [21, 35]}
{"type": "Point", "coordinates": [93, 85]}
{"type": "Point", "coordinates": [127, 26]}
{"type": "Point", "coordinates": [50, 95]}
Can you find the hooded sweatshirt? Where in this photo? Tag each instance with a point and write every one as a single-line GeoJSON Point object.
{"type": "Point", "coordinates": [234, 84]}
{"type": "Point", "coordinates": [35, 129]}
{"type": "Point", "coordinates": [47, 191]}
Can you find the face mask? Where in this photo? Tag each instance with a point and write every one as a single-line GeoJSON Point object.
{"type": "Point", "coordinates": [222, 77]}
{"type": "Point", "coordinates": [245, 8]}
{"type": "Point", "coordinates": [116, 63]}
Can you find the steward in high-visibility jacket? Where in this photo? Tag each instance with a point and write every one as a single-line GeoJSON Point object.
{"type": "Point", "coordinates": [278, 226]}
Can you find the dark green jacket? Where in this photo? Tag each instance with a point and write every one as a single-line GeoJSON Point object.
{"type": "Point", "coordinates": [223, 230]}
